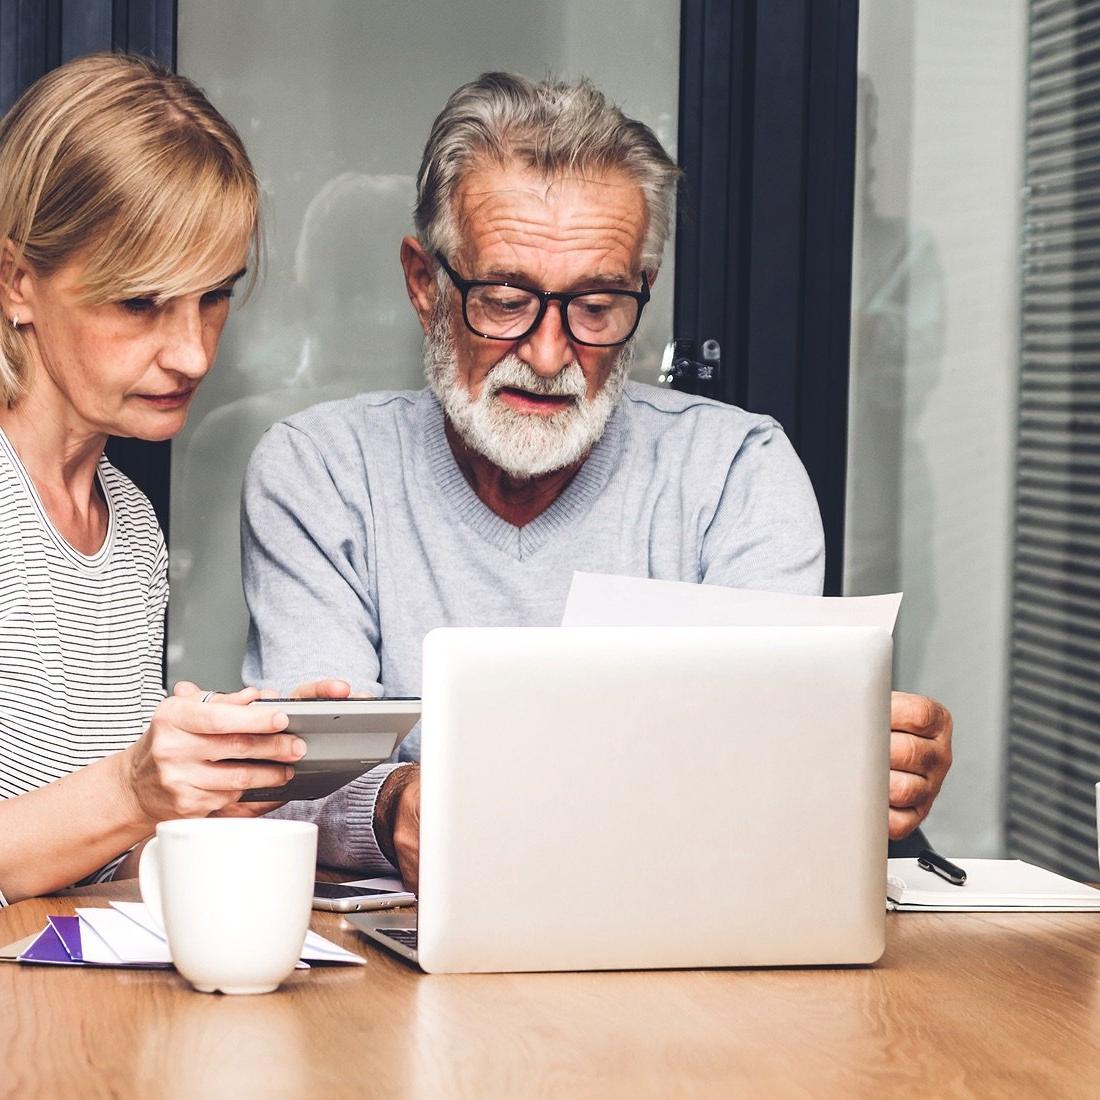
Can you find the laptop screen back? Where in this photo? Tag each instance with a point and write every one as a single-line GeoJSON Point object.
{"type": "Point", "coordinates": [606, 798]}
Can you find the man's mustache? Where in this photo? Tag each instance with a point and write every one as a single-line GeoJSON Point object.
{"type": "Point", "coordinates": [513, 373]}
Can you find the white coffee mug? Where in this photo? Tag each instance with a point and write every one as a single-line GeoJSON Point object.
{"type": "Point", "coordinates": [233, 896]}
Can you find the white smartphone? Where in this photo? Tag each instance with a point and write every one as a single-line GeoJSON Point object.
{"type": "Point", "coordinates": [344, 738]}
{"type": "Point", "coordinates": [338, 897]}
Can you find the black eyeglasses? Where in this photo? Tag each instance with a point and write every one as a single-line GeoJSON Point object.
{"type": "Point", "coordinates": [508, 311]}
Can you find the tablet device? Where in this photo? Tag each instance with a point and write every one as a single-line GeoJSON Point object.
{"type": "Point", "coordinates": [344, 738]}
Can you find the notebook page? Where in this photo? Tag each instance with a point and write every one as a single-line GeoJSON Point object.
{"type": "Point", "coordinates": [988, 882]}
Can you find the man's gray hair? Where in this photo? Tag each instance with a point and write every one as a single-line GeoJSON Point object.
{"type": "Point", "coordinates": [551, 127]}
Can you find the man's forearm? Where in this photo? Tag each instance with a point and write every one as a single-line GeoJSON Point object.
{"type": "Point", "coordinates": [347, 840]}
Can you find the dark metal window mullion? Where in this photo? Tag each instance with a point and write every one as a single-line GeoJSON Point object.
{"type": "Point", "coordinates": [764, 239]}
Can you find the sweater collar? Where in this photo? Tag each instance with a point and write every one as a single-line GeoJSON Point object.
{"type": "Point", "coordinates": [519, 542]}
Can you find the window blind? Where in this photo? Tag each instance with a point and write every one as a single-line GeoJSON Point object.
{"type": "Point", "coordinates": [1054, 694]}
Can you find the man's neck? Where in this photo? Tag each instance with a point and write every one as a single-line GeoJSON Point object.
{"type": "Point", "coordinates": [516, 500]}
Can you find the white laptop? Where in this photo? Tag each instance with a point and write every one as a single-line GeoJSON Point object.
{"type": "Point", "coordinates": [623, 798]}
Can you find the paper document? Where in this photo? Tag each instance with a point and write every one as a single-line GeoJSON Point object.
{"type": "Point", "coordinates": [125, 935]}
{"type": "Point", "coordinates": [319, 950]}
{"type": "Point", "coordinates": [68, 932]}
{"type": "Point", "coordinates": [137, 912]}
{"type": "Point", "coordinates": [315, 949]}
{"type": "Point", "coordinates": [116, 939]}
{"type": "Point", "coordinates": [11, 952]}
{"type": "Point", "coordinates": [48, 947]}
{"type": "Point", "coordinates": [598, 599]}
{"type": "Point", "coordinates": [992, 885]}
{"type": "Point", "coordinates": [393, 885]}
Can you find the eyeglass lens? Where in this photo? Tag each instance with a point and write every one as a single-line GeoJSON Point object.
{"type": "Point", "coordinates": [602, 317]}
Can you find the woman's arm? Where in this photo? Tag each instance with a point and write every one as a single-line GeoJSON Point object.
{"type": "Point", "coordinates": [188, 763]}
{"type": "Point", "coordinates": [61, 832]}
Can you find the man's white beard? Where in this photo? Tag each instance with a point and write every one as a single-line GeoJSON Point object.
{"type": "Point", "coordinates": [524, 445]}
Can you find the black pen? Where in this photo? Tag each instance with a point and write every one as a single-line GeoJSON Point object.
{"type": "Point", "coordinates": [934, 862]}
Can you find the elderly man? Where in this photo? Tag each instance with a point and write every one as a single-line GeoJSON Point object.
{"type": "Point", "coordinates": [541, 217]}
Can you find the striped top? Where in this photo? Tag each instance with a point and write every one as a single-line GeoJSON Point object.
{"type": "Point", "coordinates": [80, 635]}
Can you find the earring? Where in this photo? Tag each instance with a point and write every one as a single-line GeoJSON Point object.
{"type": "Point", "coordinates": [15, 322]}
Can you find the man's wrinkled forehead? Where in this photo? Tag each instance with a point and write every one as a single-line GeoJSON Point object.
{"type": "Point", "coordinates": [590, 211]}
{"type": "Point", "coordinates": [486, 179]}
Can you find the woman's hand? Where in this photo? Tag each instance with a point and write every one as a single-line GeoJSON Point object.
{"type": "Point", "coordinates": [315, 689]}
{"type": "Point", "coordinates": [190, 762]}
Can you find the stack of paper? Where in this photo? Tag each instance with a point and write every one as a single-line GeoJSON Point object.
{"type": "Point", "coordinates": [124, 935]}
{"type": "Point", "coordinates": [992, 885]}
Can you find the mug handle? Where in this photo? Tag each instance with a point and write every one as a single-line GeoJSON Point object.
{"type": "Point", "coordinates": [149, 882]}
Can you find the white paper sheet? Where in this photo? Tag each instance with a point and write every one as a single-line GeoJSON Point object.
{"type": "Point", "coordinates": [598, 599]}
{"type": "Point", "coordinates": [145, 935]}
{"type": "Point", "coordinates": [317, 949]}
{"type": "Point", "coordinates": [139, 914]}
{"type": "Point", "coordinates": [394, 885]}
{"type": "Point", "coordinates": [118, 939]}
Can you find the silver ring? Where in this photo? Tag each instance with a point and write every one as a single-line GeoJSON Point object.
{"type": "Point", "coordinates": [206, 696]}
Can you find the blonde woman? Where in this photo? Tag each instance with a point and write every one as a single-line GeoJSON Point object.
{"type": "Point", "coordinates": [128, 215]}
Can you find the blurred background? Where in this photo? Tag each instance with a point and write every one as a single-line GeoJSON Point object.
{"type": "Point", "coordinates": [889, 222]}
{"type": "Point", "coordinates": [334, 100]}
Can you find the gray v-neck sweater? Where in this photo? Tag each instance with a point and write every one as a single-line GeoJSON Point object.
{"type": "Point", "coordinates": [360, 534]}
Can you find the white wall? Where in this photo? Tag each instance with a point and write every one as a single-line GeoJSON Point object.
{"type": "Point", "coordinates": [934, 367]}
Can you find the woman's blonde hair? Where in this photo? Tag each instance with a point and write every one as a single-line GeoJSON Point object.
{"type": "Point", "coordinates": [117, 161]}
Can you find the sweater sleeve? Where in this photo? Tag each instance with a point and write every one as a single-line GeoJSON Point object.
{"type": "Point", "coordinates": [766, 531]}
{"type": "Point", "coordinates": [306, 565]}
{"type": "Point", "coordinates": [345, 822]}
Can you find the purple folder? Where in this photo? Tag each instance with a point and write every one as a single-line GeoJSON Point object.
{"type": "Point", "coordinates": [49, 947]}
{"type": "Point", "coordinates": [68, 932]}
{"type": "Point", "coordinates": [59, 943]}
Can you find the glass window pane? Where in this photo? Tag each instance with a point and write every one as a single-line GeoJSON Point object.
{"type": "Point", "coordinates": [934, 366]}
{"type": "Point", "coordinates": [334, 100]}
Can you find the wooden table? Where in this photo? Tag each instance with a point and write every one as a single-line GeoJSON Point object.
{"type": "Point", "coordinates": [961, 1005]}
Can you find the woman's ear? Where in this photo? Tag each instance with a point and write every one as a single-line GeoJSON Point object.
{"type": "Point", "coordinates": [16, 285]}
{"type": "Point", "coordinates": [419, 279]}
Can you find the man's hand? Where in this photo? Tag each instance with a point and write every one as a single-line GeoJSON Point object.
{"type": "Point", "coordinates": [920, 755]}
{"type": "Point", "coordinates": [324, 689]}
{"type": "Point", "coordinates": [397, 823]}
